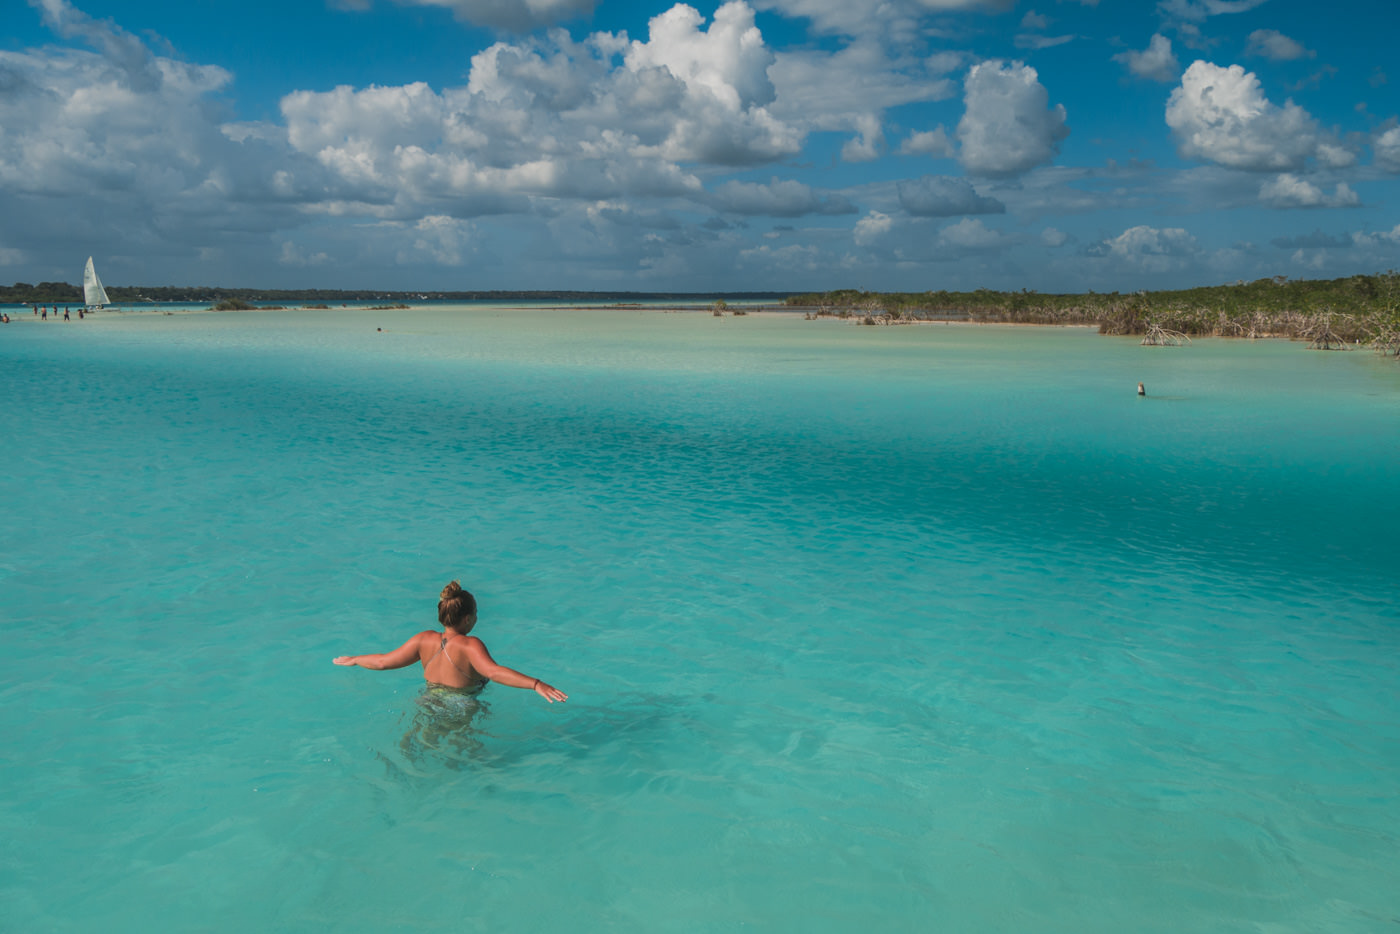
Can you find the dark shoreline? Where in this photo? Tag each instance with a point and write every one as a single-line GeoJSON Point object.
{"type": "Point", "coordinates": [47, 293]}
{"type": "Point", "coordinates": [1328, 314]}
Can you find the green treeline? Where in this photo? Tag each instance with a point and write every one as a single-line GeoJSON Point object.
{"type": "Point", "coordinates": [1327, 312]}
{"type": "Point", "coordinates": [1354, 309]}
{"type": "Point", "coordinates": [45, 293]}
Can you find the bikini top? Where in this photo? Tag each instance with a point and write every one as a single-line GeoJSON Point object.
{"type": "Point", "coordinates": [442, 650]}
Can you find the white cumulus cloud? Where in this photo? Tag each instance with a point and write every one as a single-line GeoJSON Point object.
{"type": "Point", "coordinates": [120, 132]}
{"type": "Point", "coordinates": [547, 117]}
{"type": "Point", "coordinates": [1386, 147]}
{"type": "Point", "coordinates": [1381, 239]}
{"type": "Point", "coordinates": [933, 143]}
{"type": "Point", "coordinates": [1290, 191]}
{"type": "Point", "coordinates": [730, 59]}
{"type": "Point", "coordinates": [1007, 127]}
{"type": "Point", "coordinates": [871, 227]}
{"type": "Point", "coordinates": [969, 235]}
{"type": "Point", "coordinates": [1149, 248]}
{"type": "Point", "coordinates": [1334, 155]}
{"type": "Point", "coordinates": [865, 147]}
{"type": "Point", "coordinates": [1155, 63]}
{"type": "Point", "coordinates": [1221, 115]}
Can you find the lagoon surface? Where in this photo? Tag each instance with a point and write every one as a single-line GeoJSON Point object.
{"type": "Point", "coordinates": [913, 628]}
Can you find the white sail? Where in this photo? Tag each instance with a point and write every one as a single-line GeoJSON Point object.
{"type": "Point", "coordinates": [93, 292]}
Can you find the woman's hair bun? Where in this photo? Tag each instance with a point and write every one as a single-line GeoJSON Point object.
{"type": "Point", "coordinates": [455, 605]}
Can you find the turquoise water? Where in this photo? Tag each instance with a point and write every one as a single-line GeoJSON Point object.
{"type": "Point", "coordinates": [925, 628]}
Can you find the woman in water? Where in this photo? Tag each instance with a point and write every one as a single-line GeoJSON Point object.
{"type": "Point", "coordinates": [451, 658]}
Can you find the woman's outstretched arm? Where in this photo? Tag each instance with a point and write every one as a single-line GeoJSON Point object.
{"type": "Point", "coordinates": [401, 657]}
{"type": "Point", "coordinates": [486, 666]}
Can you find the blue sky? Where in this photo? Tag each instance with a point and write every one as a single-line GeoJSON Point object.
{"type": "Point", "coordinates": [1055, 145]}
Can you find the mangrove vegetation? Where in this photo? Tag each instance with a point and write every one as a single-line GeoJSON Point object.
{"type": "Point", "coordinates": [1327, 313]}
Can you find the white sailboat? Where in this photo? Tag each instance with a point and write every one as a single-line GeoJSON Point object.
{"type": "Point", "coordinates": [93, 293]}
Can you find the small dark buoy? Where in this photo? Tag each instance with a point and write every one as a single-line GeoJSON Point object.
{"type": "Point", "coordinates": [1139, 384]}
{"type": "Point", "coordinates": [1142, 391]}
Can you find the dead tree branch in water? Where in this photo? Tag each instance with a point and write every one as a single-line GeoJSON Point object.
{"type": "Point", "coordinates": [1158, 336]}
{"type": "Point", "coordinates": [1321, 333]}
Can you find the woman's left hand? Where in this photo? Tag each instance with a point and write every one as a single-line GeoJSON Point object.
{"type": "Point", "coordinates": [549, 692]}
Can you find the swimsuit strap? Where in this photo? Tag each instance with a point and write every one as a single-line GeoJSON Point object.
{"type": "Point", "coordinates": [442, 650]}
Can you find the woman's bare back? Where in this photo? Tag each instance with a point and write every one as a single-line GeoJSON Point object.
{"type": "Point", "coordinates": [445, 663]}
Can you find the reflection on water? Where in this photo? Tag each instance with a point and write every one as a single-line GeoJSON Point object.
{"type": "Point", "coordinates": [443, 726]}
